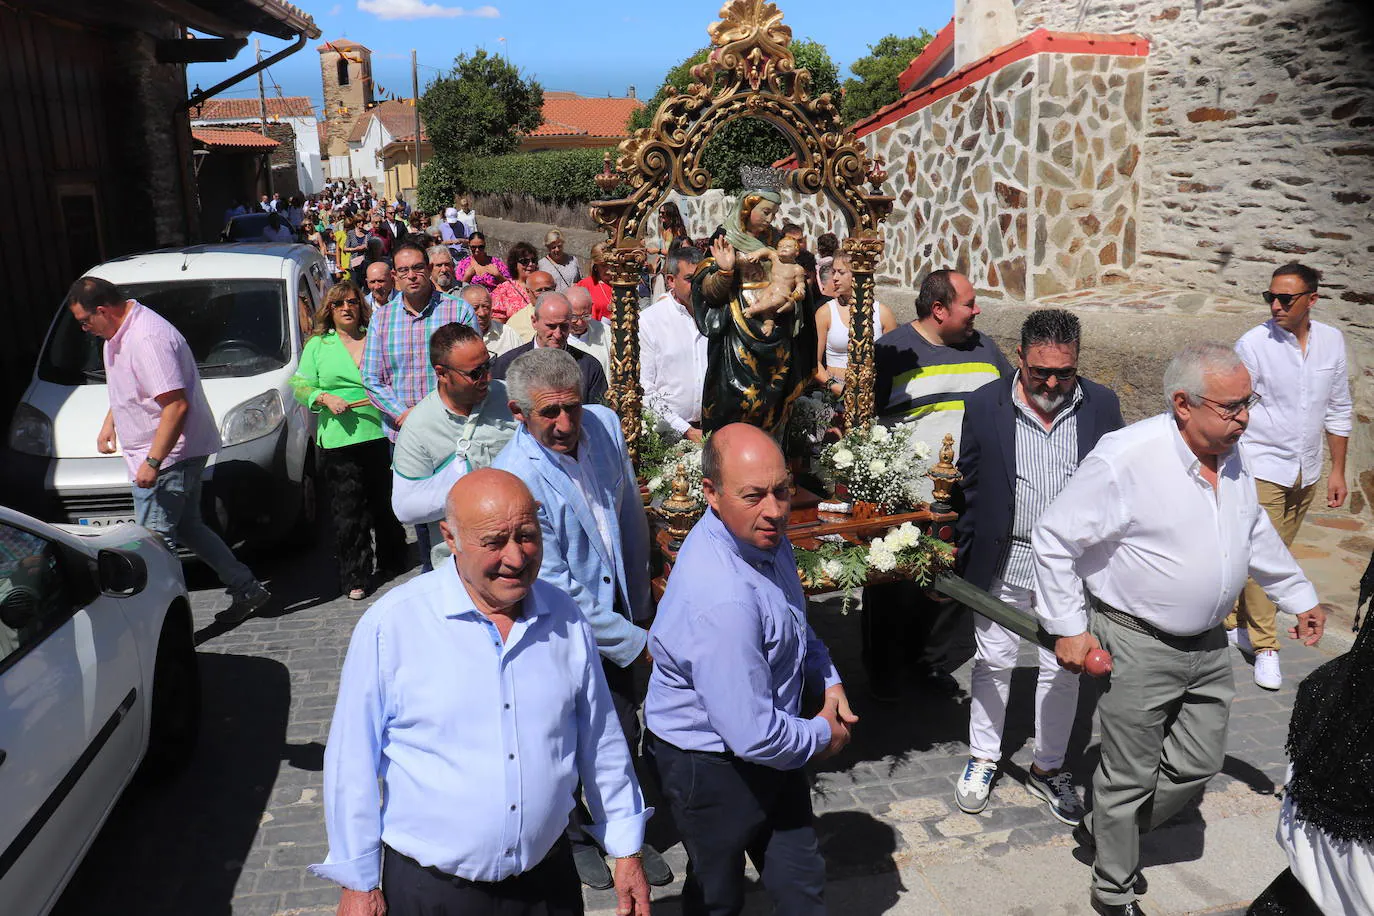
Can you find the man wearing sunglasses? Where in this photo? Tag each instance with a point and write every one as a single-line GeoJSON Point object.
{"type": "Point", "coordinates": [1023, 437]}
{"type": "Point", "coordinates": [1298, 368]}
{"type": "Point", "coordinates": [572, 456]}
{"type": "Point", "coordinates": [460, 426]}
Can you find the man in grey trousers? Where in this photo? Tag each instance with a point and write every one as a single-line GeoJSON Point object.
{"type": "Point", "coordinates": [1162, 524]}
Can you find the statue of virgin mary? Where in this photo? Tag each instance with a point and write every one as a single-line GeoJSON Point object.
{"type": "Point", "coordinates": [755, 367]}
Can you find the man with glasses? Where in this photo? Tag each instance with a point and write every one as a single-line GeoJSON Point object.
{"type": "Point", "coordinates": [522, 322]}
{"type": "Point", "coordinates": [441, 265]}
{"type": "Point", "coordinates": [1298, 366]}
{"type": "Point", "coordinates": [1161, 525]}
{"type": "Point", "coordinates": [458, 427]}
{"type": "Point", "coordinates": [596, 536]}
{"type": "Point", "coordinates": [551, 316]}
{"type": "Point", "coordinates": [396, 368]}
{"type": "Point", "coordinates": [498, 338]}
{"type": "Point", "coordinates": [1023, 437]}
{"type": "Point", "coordinates": [586, 333]}
{"type": "Point", "coordinates": [160, 419]}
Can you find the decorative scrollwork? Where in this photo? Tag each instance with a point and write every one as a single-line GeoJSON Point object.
{"type": "Point", "coordinates": [750, 73]}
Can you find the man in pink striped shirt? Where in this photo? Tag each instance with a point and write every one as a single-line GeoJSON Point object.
{"type": "Point", "coordinates": [159, 414]}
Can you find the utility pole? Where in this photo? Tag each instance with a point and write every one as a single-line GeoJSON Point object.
{"type": "Point", "coordinates": [262, 114]}
{"type": "Point", "coordinates": [415, 97]}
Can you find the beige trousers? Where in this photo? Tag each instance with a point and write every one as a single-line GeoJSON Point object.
{"type": "Point", "coordinates": [1287, 506]}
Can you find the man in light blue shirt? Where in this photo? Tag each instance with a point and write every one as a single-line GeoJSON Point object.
{"type": "Point", "coordinates": [732, 650]}
{"type": "Point", "coordinates": [472, 701]}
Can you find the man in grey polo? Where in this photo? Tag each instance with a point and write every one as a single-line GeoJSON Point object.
{"type": "Point", "coordinates": [458, 427]}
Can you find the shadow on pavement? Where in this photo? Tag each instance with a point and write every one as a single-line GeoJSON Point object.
{"type": "Point", "coordinates": [178, 849]}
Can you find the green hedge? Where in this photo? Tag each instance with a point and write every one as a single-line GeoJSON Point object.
{"type": "Point", "coordinates": [559, 176]}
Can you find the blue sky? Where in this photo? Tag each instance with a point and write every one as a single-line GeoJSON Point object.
{"type": "Point", "coordinates": [589, 48]}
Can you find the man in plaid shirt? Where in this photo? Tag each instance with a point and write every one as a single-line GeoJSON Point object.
{"type": "Point", "coordinates": [395, 367]}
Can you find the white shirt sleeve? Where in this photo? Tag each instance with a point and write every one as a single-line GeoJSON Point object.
{"type": "Point", "coordinates": [419, 502]}
{"type": "Point", "coordinates": [1064, 532]}
{"type": "Point", "coordinates": [654, 397]}
{"type": "Point", "coordinates": [1274, 569]}
{"type": "Point", "coordinates": [1338, 407]}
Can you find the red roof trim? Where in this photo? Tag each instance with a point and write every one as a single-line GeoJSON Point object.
{"type": "Point", "coordinates": [232, 139]}
{"type": "Point", "coordinates": [1041, 41]}
{"type": "Point", "coordinates": [928, 59]}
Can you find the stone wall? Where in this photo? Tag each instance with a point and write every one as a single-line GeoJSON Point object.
{"type": "Point", "coordinates": [1257, 139]}
{"type": "Point", "coordinates": [1024, 180]}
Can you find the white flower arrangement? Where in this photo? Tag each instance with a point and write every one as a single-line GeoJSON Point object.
{"type": "Point", "coordinates": [684, 452]}
{"type": "Point", "coordinates": [882, 465]}
{"type": "Point", "coordinates": [903, 550]}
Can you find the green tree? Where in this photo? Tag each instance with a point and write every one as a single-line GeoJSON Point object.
{"type": "Point", "coordinates": [747, 141]}
{"type": "Point", "coordinates": [480, 108]}
{"type": "Point", "coordinates": [876, 83]}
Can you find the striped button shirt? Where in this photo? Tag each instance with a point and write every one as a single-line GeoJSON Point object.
{"type": "Point", "coordinates": [1045, 460]}
{"type": "Point", "coordinates": [396, 369]}
{"type": "Point", "coordinates": [925, 382]}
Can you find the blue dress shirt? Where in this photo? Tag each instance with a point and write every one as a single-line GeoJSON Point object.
{"type": "Point", "coordinates": [478, 745]}
{"type": "Point", "coordinates": [732, 649]}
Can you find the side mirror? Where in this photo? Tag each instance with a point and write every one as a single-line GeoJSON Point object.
{"type": "Point", "coordinates": [121, 574]}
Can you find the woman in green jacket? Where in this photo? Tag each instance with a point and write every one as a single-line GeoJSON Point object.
{"type": "Point", "coordinates": [355, 458]}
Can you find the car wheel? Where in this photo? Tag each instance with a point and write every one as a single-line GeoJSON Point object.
{"type": "Point", "coordinates": [176, 702]}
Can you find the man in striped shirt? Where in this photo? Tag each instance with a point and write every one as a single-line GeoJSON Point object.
{"type": "Point", "coordinates": [924, 371]}
{"type": "Point", "coordinates": [395, 367]}
{"type": "Point", "coordinates": [1023, 438]}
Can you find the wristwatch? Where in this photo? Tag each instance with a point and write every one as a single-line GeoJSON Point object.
{"type": "Point", "coordinates": [154, 463]}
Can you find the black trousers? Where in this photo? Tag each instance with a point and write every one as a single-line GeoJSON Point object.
{"type": "Point", "coordinates": [550, 888]}
{"type": "Point", "coordinates": [901, 624]}
{"type": "Point", "coordinates": [726, 809]}
{"type": "Point", "coordinates": [358, 480]}
{"type": "Point", "coordinates": [625, 695]}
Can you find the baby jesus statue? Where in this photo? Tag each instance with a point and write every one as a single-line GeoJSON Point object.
{"type": "Point", "coordinates": [787, 282]}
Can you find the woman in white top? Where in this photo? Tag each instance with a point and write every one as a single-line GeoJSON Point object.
{"type": "Point", "coordinates": [832, 327]}
{"type": "Point", "coordinates": [563, 266]}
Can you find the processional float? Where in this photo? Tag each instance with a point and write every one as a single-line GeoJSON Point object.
{"type": "Point", "coordinates": [751, 73]}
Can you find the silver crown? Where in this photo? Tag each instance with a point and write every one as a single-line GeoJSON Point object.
{"type": "Point", "coordinates": [758, 178]}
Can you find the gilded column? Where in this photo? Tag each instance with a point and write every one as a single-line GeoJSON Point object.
{"type": "Point", "coordinates": [624, 267]}
{"type": "Point", "coordinates": [859, 409]}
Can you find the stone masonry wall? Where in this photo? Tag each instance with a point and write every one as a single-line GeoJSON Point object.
{"type": "Point", "coordinates": [1257, 147]}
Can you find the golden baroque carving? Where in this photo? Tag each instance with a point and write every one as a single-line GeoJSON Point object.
{"type": "Point", "coordinates": [623, 268]}
{"type": "Point", "coordinates": [859, 409]}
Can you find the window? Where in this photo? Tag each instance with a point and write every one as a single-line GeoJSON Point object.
{"type": "Point", "coordinates": [342, 68]}
{"type": "Point", "coordinates": [35, 596]}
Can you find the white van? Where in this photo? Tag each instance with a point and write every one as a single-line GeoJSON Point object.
{"type": "Point", "coordinates": [245, 311]}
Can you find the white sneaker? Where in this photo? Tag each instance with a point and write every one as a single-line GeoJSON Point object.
{"type": "Point", "coordinates": [1267, 673]}
{"type": "Point", "coordinates": [1240, 638]}
{"type": "Point", "coordinates": [971, 793]}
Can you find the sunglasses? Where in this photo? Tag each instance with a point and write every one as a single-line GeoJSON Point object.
{"type": "Point", "coordinates": [477, 248]}
{"type": "Point", "coordinates": [527, 260]}
{"type": "Point", "coordinates": [472, 375]}
{"type": "Point", "coordinates": [1043, 375]}
{"type": "Point", "coordinates": [343, 303]}
{"type": "Point", "coordinates": [1284, 299]}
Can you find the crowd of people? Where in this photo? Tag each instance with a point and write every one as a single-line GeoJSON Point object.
{"type": "Point", "coordinates": [461, 394]}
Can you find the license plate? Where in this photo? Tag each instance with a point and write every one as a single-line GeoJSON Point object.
{"type": "Point", "coordinates": [106, 521]}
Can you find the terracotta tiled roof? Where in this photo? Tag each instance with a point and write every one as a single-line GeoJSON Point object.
{"type": "Point", "coordinates": [567, 114]}
{"type": "Point", "coordinates": [222, 109]}
{"type": "Point", "coordinates": [232, 139]}
{"type": "Point", "coordinates": [397, 117]}
{"type": "Point", "coordinates": [341, 44]}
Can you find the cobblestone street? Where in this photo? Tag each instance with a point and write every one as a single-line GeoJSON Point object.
{"type": "Point", "coordinates": [235, 832]}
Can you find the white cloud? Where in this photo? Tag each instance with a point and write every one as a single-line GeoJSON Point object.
{"type": "Point", "coordinates": [420, 9]}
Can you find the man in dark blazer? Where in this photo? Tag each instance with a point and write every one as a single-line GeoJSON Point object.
{"type": "Point", "coordinates": [551, 318]}
{"type": "Point", "coordinates": [1023, 437]}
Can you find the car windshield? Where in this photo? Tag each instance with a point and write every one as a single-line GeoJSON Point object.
{"type": "Point", "coordinates": [236, 328]}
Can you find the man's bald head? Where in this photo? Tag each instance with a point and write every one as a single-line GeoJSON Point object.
{"type": "Point", "coordinates": [580, 306]}
{"type": "Point", "coordinates": [379, 282]}
{"type": "Point", "coordinates": [492, 526]}
{"type": "Point", "coordinates": [541, 281]}
{"type": "Point", "coordinates": [378, 270]}
{"type": "Point", "coordinates": [747, 484]}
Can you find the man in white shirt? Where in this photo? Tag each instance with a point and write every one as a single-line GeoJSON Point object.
{"type": "Point", "coordinates": [498, 337]}
{"type": "Point", "coordinates": [584, 332]}
{"type": "Point", "coordinates": [1298, 368]}
{"type": "Point", "coordinates": [672, 352]}
{"type": "Point", "coordinates": [1161, 523]}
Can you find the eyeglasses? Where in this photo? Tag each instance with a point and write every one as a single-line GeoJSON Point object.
{"type": "Point", "coordinates": [1231, 410]}
{"type": "Point", "coordinates": [477, 248]}
{"type": "Point", "coordinates": [1284, 299]}
{"type": "Point", "coordinates": [542, 289]}
{"type": "Point", "coordinates": [85, 323]}
{"type": "Point", "coordinates": [343, 303]}
{"type": "Point", "coordinates": [418, 270]}
{"type": "Point", "coordinates": [473, 375]}
{"type": "Point", "coordinates": [1043, 375]}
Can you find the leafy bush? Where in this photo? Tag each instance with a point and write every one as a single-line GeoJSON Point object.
{"type": "Point", "coordinates": [561, 176]}
{"type": "Point", "coordinates": [438, 184]}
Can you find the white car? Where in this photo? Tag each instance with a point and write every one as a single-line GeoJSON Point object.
{"type": "Point", "coordinates": [245, 311]}
{"type": "Point", "coordinates": [98, 677]}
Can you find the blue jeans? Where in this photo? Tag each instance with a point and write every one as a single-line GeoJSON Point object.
{"type": "Point", "coordinates": [171, 508]}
